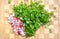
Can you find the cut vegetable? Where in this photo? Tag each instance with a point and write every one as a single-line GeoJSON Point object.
{"type": "Point", "coordinates": [33, 16]}
{"type": "Point", "coordinates": [16, 25]}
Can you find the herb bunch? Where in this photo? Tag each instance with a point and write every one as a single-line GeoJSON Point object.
{"type": "Point", "coordinates": [33, 16]}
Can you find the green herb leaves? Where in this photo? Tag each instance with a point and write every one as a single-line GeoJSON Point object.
{"type": "Point", "coordinates": [33, 16]}
{"type": "Point", "coordinates": [9, 1]}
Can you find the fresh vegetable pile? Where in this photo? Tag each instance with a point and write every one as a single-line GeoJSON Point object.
{"type": "Point", "coordinates": [32, 16]}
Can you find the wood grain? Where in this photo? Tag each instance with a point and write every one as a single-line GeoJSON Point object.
{"type": "Point", "coordinates": [6, 31]}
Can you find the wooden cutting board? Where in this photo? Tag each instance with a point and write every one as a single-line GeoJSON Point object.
{"type": "Point", "coordinates": [6, 31]}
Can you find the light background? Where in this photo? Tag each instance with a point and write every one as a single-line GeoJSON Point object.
{"type": "Point", "coordinates": [6, 31]}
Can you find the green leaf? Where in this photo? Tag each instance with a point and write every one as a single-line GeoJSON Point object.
{"type": "Point", "coordinates": [9, 1]}
{"type": "Point", "coordinates": [32, 16]}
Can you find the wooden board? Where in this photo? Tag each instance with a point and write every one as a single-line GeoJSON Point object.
{"type": "Point", "coordinates": [6, 31]}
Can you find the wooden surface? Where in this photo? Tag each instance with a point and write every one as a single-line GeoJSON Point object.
{"type": "Point", "coordinates": [6, 31]}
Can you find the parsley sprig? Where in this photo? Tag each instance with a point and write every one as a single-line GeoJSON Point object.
{"type": "Point", "coordinates": [33, 16]}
